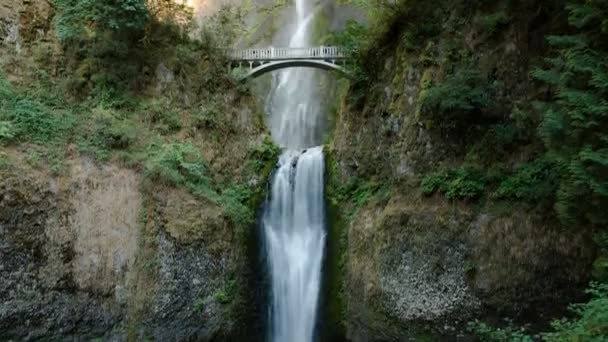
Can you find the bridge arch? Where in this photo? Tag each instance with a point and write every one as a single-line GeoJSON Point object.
{"type": "Point", "coordinates": [283, 64]}
{"type": "Point", "coordinates": [264, 60]}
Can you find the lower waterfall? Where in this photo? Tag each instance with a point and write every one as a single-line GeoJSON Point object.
{"type": "Point", "coordinates": [295, 238]}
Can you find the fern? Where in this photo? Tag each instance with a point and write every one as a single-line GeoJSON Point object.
{"type": "Point", "coordinates": [459, 183]}
{"type": "Point", "coordinates": [574, 125]}
{"type": "Point", "coordinates": [456, 98]}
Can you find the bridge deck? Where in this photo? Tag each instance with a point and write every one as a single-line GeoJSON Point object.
{"type": "Point", "coordinates": [277, 54]}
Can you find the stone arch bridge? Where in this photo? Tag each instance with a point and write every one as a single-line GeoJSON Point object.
{"type": "Point", "coordinates": [263, 60]}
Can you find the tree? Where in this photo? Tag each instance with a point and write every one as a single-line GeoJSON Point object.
{"type": "Point", "coordinates": [575, 121]}
{"type": "Point", "coordinates": [88, 18]}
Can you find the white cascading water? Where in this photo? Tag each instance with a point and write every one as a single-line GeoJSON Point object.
{"type": "Point", "coordinates": [293, 220]}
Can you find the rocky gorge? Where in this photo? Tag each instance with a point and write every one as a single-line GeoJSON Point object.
{"type": "Point", "coordinates": [134, 171]}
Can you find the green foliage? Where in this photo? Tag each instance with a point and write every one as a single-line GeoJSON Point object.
{"type": "Point", "coordinates": [4, 161]}
{"type": "Point", "coordinates": [490, 334]}
{"type": "Point", "coordinates": [199, 305]}
{"type": "Point", "coordinates": [162, 116]}
{"type": "Point", "coordinates": [264, 156]}
{"type": "Point", "coordinates": [85, 18]}
{"type": "Point", "coordinates": [575, 123]}
{"type": "Point", "coordinates": [496, 143]}
{"type": "Point", "coordinates": [227, 293]}
{"type": "Point", "coordinates": [207, 117]}
{"type": "Point", "coordinates": [355, 39]}
{"type": "Point", "coordinates": [387, 16]}
{"type": "Point", "coordinates": [105, 131]}
{"type": "Point", "coordinates": [26, 119]}
{"type": "Point", "coordinates": [33, 120]}
{"type": "Point", "coordinates": [592, 322]}
{"type": "Point", "coordinates": [533, 182]}
{"type": "Point", "coordinates": [492, 23]}
{"type": "Point", "coordinates": [458, 183]}
{"type": "Point", "coordinates": [177, 164]}
{"type": "Point", "coordinates": [388, 23]}
{"type": "Point", "coordinates": [600, 266]}
{"type": "Point", "coordinates": [181, 164]}
{"type": "Point", "coordinates": [235, 199]}
{"type": "Point", "coordinates": [7, 131]}
{"type": "Point", "coordinates": [358, 192]}
{"type": "Point", "coordinates": [454, 101]}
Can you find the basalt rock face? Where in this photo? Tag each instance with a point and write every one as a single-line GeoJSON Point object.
{"type": "Point", "coordinates": [90, 255]}
{"type": "Point", "coordinates": [417, 265]}
{"type": "Point", "coordinates": [67, 250]}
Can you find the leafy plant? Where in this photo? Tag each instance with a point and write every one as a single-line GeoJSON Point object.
{"type": "Point", "coordinates": [226, 294]}
{"type": "Point", "coordinates": [26, 119]}
{"type": "Point", "coordinates": [491, 23]}
{"type": "Point", "coordinates": [7, 132]}
{"type": "Point", "coordinates": [592, 321]}
{"type": "Point", "coordinates": [4, 161]}
{"type": "Point", "coordinates": [458, 183]}
{"type": "Point", "coordinates": [455, 100]}
{"type": "Point", "coordinates": [264, 156]}
{"type": "Point", "coordinates": [85, 18]}
{"type": "Point", "coordinates": [177, 164]}
{"type": "Point", "coordinates": [208, 117]}
{"type": "Point", "coordinates": [358, 192]}
{"type": "Point", "coordinates": [533, 182]}
{"type": "Point", "coordinates": [355, 39]}
{"type": "Point", "coordinates": [489, 334]}
{"type": "Point", "coordinates": [161, 114]}
{"type": "Point", "coordinates": [575, 124]}
{"type": "Point", "coordinates": [235, 200]}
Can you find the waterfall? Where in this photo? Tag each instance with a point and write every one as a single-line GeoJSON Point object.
{"type": "Point", "coordinates": [293, 221]}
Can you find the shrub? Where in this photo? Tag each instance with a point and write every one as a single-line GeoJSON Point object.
{"type": "Point", "coordinates": [7, 131]}
{"type": "Point", "coordinates": [104, 132]}
{"type": "Point", "coordinates": [358, 192]}
{"type": "Point", "coordinates": [591, 323]}
{"type": "Point", "coordinates": [78, 19]}
{"type": "Point", "coordinates": [30, 120]}
{"type": "Point", "coordinates": [227, 293]}
{"type": "Point", "coordinates": [355, 38]}
{"type": "Point", "coordinates": [535, 181]}
{"type": "Point", "coordinates": [162, 116]}
{"type": "Point", "coordinates": [490, 334]}
{"type": "Point", "coordinates": [235, 200]}
{"type": "Point", "coordinates": [497, 141]}
{"type": "Point", "coordinates": [459, 183]}
{"type": "Point", "coordinates": [177, 164]}
{"type": "Point", "coordinates": [464, 91]}
{"type": "Point", "coordinates": [208, 117]}
{"type": "Point", "coordinates": [264, 156]}
{"type": "Point", "coordinates": [453, 102]}
{"type": "Point", "coordinates": [491, 23]}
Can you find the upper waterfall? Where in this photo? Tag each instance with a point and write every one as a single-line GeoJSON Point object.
{"type": "Point", "coordinates": [293, 104]}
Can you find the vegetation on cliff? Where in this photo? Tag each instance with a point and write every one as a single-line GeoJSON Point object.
{"type": "Point", "coordinates": [98, 93]}
{"type": "Point", "coordinates": [510, 99]}
{"type": "Point", "coordinates": [140, 85]}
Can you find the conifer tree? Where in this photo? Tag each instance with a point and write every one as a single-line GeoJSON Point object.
{"type": "Point", "coordinates": [575, 121]}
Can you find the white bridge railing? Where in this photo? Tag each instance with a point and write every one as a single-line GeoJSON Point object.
{"type": "Point", "coordinates": [273, 53]}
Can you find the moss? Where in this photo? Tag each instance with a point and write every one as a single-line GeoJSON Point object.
{"type": "Point", "coordinates": [143, 285]}
{"type": "Point", "coordinates": [334, 300]}
{"type": "Point", "coordinates": [425, 83]}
